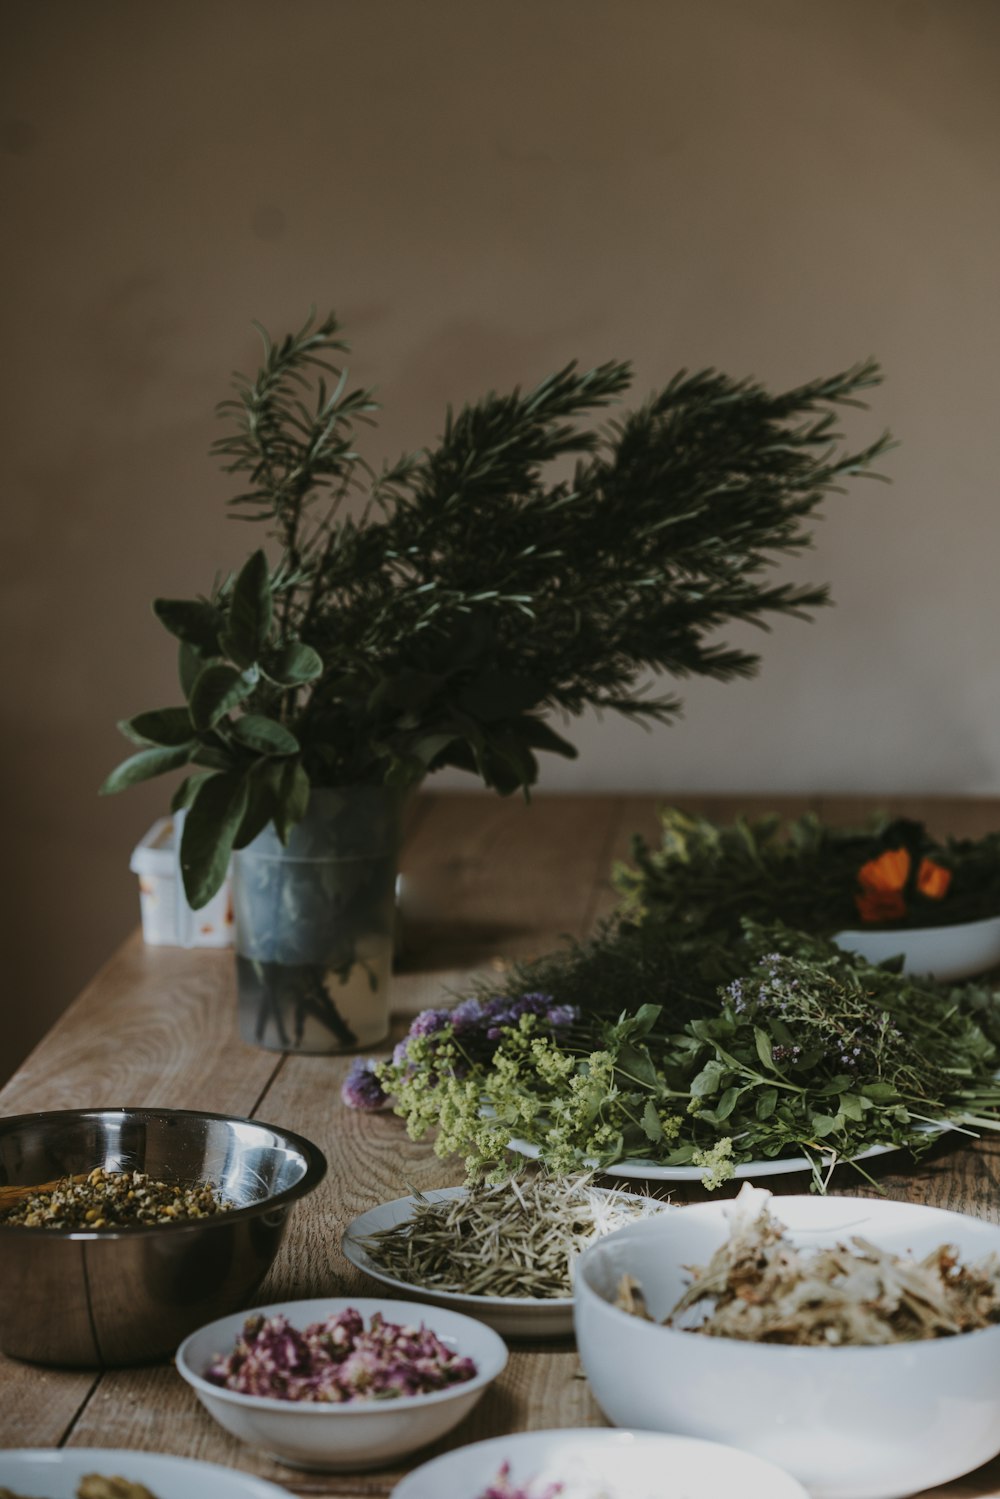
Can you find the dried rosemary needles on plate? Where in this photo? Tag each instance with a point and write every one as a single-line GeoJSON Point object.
{"type": "Point", "coordinates": [516, 1238]}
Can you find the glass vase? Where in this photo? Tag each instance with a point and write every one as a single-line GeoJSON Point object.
{"type": "Point", "coordinates": [313, 925]}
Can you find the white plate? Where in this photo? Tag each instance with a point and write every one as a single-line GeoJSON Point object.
{"type": "Point", "coordinates": [55, 1475]}
{"type": "Point", "coordinates": [945, 953]}
{"type": "Point", "coordinates": [513, 1316]}
{"type": "Point", "coordinates": [645, 1170]}
{"type": "Point", "coordinates": [622, 1464]}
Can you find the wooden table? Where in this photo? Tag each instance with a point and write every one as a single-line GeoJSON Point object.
{"type": "Point", "coordinates": [487, 880]}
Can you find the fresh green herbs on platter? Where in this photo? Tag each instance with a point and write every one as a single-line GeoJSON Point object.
{"type": "Point", "coordinates": [517, 1238]}
{"type": "Point", "coordinates": [816, 878]}
{"type": "Point", "coordinates": [705, 1051]}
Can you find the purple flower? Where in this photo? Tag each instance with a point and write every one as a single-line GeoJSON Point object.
{"type": "Point", "coordinates": [562, 1015]}
{"type": "Point", "coordinates": [361, 1088]}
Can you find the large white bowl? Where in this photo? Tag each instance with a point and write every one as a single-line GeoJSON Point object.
{"type": "Point", "coordinates": [56, 1474]}
{"type": "Point", "coordinates": [639, 1464]}
{"type": "Point", "coordinates": [850, 1423]}
{"type": "Point", "coordinates": [945, 953]}
{"type": "Point", "coordinates": [359, 1434]}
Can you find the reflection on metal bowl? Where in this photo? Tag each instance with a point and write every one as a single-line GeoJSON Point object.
{"type": "Point", "coordinates": [100, 1298]}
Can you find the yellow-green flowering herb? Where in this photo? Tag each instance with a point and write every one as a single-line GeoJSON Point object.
{"type": "Point", "coordinates": [771, 1046]}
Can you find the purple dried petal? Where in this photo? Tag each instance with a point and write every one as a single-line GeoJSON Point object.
{"type": "Point", "coordinates": [361, 1088]}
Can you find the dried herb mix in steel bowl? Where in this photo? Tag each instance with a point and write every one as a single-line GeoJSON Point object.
{"type": "Point", "coordinates": [113, 1200]}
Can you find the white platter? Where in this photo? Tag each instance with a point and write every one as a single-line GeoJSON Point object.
{"type": "Point", "coordinates": [623, 1464]}
{"type": "Point", "coordinates": [55, 1475]}
{"type": "Point", "coordinates": [640, 1169]}
{"type": "Point", "coordinates": [512, 1316]}
{"type": "Point", "coordinates": [945, 953]}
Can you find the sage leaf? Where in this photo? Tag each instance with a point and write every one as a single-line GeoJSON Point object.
{"type": "Point", "coordinates": [249, 617]}
{"type": "Point", "coordinates": [219, 687]}
{"type": "Point", "coordinates": [164, 726]}
{"type": "Point", "coordinates": [293, 666]}
{"type": "Point", "coordinates": [144, 766]}
{"type": "Point", "coordinates": [265, 735]}
{"type": "Point", "coordinates": [210, 827]}
{"type": "Point", "coordinates": [192, 620]}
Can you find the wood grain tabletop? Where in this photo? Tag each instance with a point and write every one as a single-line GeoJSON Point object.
{"type": "Point", "coordinates": [485, 881]}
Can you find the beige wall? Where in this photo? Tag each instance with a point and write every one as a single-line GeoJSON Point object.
{"type": "Point", "coordinates": [484, 190]}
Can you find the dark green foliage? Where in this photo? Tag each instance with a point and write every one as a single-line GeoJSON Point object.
{"type": "Point", "coordinates": [473, 594]}
{"type": "Point", "coordinates": [706, 878]}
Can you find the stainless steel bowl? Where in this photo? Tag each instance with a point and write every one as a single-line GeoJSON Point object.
{"type": "Point", "coordinates": [86, 1299]}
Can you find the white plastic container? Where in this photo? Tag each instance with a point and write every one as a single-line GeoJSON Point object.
{"type": "Point", "coordinates": [167, 919]}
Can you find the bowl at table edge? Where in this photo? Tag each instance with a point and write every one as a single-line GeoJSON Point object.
{"type": "Point", "coordinates": [639, 1464]}
{"type": "Point", "coordinates": [359, 1434]}
{"type": "Point", "coordinates": [56, 1474]}
{"type": "Point", "coordinates": [945, 953]}
{"type": "Point", "coordinates": [848, 1422]}
{"type": "Point", "coordinates": [100, 1298]}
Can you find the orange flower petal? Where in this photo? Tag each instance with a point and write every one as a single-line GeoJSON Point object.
{"type": "Point", "coordinates": [880, 905]}
{"type": "Point", "coordinates": [890, 871]}
{"type": "Point", "coordinates": [933, 880]}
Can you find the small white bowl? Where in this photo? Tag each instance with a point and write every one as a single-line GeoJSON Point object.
{"type": "Point", "coordinates": [512, 1316]}
{"type": "Point", "coordinates": [636, 1464]}
{"type": "Point", "coordinates": [945, 953]}
{"type": "Point", "coordinates": [360, 1434]}
{"type": "Point", "coordinates": [849, 1423]}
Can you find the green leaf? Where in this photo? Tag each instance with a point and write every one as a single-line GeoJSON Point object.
{"type": "Point", "coordinates": [189, 665]}
{"type": "Point", "coordinates": [164, 726]}
{"type": "Point", "coordinates": [192, 620]}
{"type": "Point", "coordinates": [727, 1103]}
{"type": "Point", "coordinates": [262, 787]}
{"type": "Point", "coordinates": [293, 666]}
{"type": "Point", "coordinates": [763, 1043]}
{"type": "Point", "coordinates": [219, 687]}
{"type": "Point", "coordinates": [265, 735]}
{"type": "Point", "coordinates": [212, 822]}
{"type": "Point", "coordinates": [500, 694]}
{"type": "Point", "coordinates": [540, 735]}
{"type": "Point", "coordinates": [766, 1102]}
{"type": "Point", "coordinates": [249, 616]}
{"type": "Point", "coordinates": [708, 1080]}
{"type": "Point", "coordinates": [143, 766]}
{"type": "Point", "coordinates": [651, 1125]}
{"type": "Point", "coordinates": [186, 792]}
{"type": "Point", "coordinates": [826, 1124]}
{"type": "Point", "coordinates": [292, 798]}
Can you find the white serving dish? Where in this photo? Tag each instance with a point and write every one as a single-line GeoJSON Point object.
{"type": "Point", "coordinates": [55, 1475]}
{"type": "Point", "coordinates": [360, 1434]}
{"type": "Point", "coordinates": [512, 1316]}
{"type": "Point", "coordinates": [945, 953]}
{"type": "Point", "coordinates": [849, 1423]}
{"type": "Point", "coordinates": [627, 1464]}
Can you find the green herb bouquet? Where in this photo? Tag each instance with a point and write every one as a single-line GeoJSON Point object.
{"type": "Point", "coordinates": [890, 876]}
{"type": "Point", "coordinates": [442, 610]}
{"type": "Point", "coordinates": [767, 1044]}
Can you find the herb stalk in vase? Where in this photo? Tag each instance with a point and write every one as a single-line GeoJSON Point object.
{"type": "Point", "coordinates": [442, 610]}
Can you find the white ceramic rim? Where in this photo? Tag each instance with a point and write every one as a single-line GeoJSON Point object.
{"type": "Point", "coordinates": [121, 1459]}
{"type": "Point", "coordinates": [497, 1448]}
{"type": "Point", "coordinates": [495, 1359]}
{"type": "Point", "coordinates": [865, 1207]}
{"type": "Point", "coordinates": [644, 1170]}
